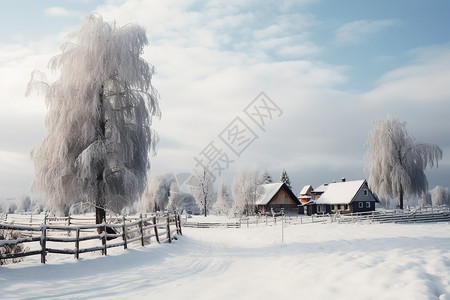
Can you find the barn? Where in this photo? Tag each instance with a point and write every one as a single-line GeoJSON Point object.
{"type": "Point", "coordinates": [344, 197]}
{"type": "Point", "coordinates": [276, 196]}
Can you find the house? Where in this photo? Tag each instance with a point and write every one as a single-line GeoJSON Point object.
{"type": "Point", "coordinates": [344, 197]}
{"type": "Point", "coordinates": [316, 193]}
{"type": "Point", "coordinates": [305, 194]}
{"type": "Point", "coordinates": [274, 196]}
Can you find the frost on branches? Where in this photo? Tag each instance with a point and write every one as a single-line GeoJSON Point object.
{"type": "Point", "coordinates": [98, 124]}
{"type": "Point", "coordinates": [224, 200]}
{"type": "Point", "coordinates": [202, 188]}
{"type": "Point", "coordinates": [440, 196]}
{"type": "Point", "coordinates": [245, 191]}
{"type": "Point", "coordinates": [396, 162]}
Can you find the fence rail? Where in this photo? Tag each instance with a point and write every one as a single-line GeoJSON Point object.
{"type": "Point", "coordinates": [420, 215]}
{"type": "Point", "coordinates": [401, 217]}
{"type": "Point", "coordinates": [141, 229]}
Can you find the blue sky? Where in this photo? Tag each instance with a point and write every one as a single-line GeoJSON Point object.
{"type": "Point", "coordinates": [333, 67]}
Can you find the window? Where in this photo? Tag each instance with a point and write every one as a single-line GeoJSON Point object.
{"type": "Point", "coordinates": [360, 205]}
{"type": "Point", "coordinates": [346, 206]}
{"type": "Point", "coordinates": [366, 192]}
{"type": "Point", "coordinates": [368, 204]}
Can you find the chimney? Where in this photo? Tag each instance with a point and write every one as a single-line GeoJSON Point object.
{"type": "Point", "coordinates": [343, 179]}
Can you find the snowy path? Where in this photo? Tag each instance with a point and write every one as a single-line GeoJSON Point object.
{"type": "Point", "coordinates": [317, 261]}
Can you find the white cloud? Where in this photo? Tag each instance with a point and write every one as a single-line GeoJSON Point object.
{"type": "Point", "coordinates": [426, 80]}
{"type": "Point", "coordinates": [57, 11]}
{"type": "Point", "coordinates": [212, 60]}
{"type": "Point", "coordinates": [356, 31]}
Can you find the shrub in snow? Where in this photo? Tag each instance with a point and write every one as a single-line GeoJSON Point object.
{"type": "Point", "coordinates": [9, 249]}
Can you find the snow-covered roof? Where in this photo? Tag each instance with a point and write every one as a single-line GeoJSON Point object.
{"type": "Point", "coordinates": [305, 189]}
{"type": "Point", "coordinates": [321, 188]}
{"type": "Point", "coordinates": [267, 192]}
{"type": "Point", "coordinates": [340, 192]}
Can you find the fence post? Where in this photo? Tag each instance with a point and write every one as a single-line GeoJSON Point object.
{"type": "Point", "coordinates": [124, 234]}
{"type": "Point", "coordinates": [43, 243]}
{"type": "Point", "coordinates": [142, 231]}
{"type": "Point", "coordinates": [104, 237]}
{"type": "Point", "coordinates": [31, 219]}
{"type": "Point", "coordinates": [168, 229]}
{"type": "Point", "coordinates": [68, 220]}
{"type": "Point", "coordinates": [156, 229]}
{"type": "Point", "coordinates": [176, 221]}
{"type": "Point", "coordinates": [77, 244]}
{"type": "Point", "coordinates": [179, 224]}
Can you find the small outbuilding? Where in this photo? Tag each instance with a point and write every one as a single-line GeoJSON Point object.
{"type": "Point", "coordinates": [274, 196]}
{"type": "Point", "coordinates": [344, 197]}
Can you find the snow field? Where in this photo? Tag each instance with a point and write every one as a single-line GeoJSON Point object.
{"type": "Point", "coordinates": [317, 261]}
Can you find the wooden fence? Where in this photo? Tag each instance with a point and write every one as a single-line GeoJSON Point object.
{"type": "Point", "coordinates": [420, 215]}
{"type": "Point", "coordinates": [401, 217]}
{"type": "Point", "coordinates": [162, 229]}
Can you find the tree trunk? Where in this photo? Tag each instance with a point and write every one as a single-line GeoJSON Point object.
{"type": "Point", "coordinates": [400, 203]}
{"type": "Point", "coordinates": [100, 214]}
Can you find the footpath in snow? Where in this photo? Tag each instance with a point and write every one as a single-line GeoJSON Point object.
{"type": "Point", "coordinates": [316, 261]}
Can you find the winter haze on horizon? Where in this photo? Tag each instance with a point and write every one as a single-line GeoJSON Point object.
{"type": "Point", "coordinates": [331, 67]}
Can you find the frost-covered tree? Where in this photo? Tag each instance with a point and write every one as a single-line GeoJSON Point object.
{"type": "Point", "coordinates": [440, 196]}
{"type": "Point", "coordinates": [11, 207]}
{"type": "Point", "coordinates": [285, 178]}
{"type": "Point", "coordinates": [265, 178]}
{"type": "Point", "coordinates": [23, 203]}
{"type": "Point", "coordinates": [224, 200]}
{"type": "Point", "coordinates": [396, 162]}
{"type": "Point", "coordinates": [98, 124]}
{"type": "Point", "coordinates": [202, 188]}
{"type": "Point", "coordinates": [245, 192]}
{"type": "Point", "coordinates": [157, 193]}
{"type": "Point", "coordinates": [180, 201]}
{"type": "Point", "coordinates": [424, 199]}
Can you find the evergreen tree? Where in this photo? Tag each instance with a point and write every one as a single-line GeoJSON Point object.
{"type": "Point", "coordinates": [285, 178]}
{"type": "Point", "coordinates": [265, 178]}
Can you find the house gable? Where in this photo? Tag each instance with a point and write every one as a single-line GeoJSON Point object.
{"type": "Point", "coordinates": [364, 194]}
{"type": "Point", "coordinates": [276, 196]}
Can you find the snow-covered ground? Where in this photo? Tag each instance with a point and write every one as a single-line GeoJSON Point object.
{"type": "Point", "coordinates": [316, 261]}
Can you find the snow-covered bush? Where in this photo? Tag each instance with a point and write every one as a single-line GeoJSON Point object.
{"type": "Point", "coordinates": [224, 201]}
{"type": "Point", "coordinates": [440, 196]}
{"type": "Point", "coordinates": [8, 249]}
